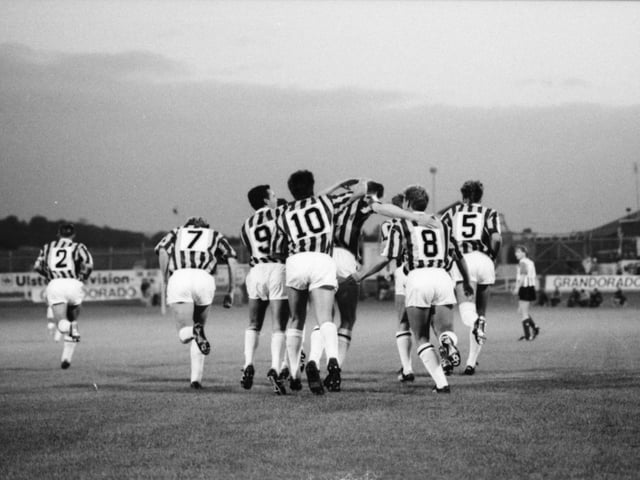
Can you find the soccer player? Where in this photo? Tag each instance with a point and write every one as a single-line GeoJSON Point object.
{"type": "Point", "coordinates": [347, 238]}
{"type": "Point", "coordinates": [428, 283]}
{"type": "Point", "coordinates": [66, 264]}
{"type": "Point", "coordinates": [476, 228]}
{"type": "Point", "coordinates": [403, 334]}
{"type": "Point", "coordinates": [306, 225]}
{"type": "Point", "coordinates": [265, 286]}
{"type": "Point", "coordinates": [188, 257]}
{"type": "Point", "coordinates": [525, 289]}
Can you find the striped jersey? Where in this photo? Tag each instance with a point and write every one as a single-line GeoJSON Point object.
{"type": "Point", "coordinates": [472, 226]}
{"type": "Point", "coordinates": [307, 225]}
{"type": "Point", "coordinates": [257, 234]}
{"type": "Point", "coordinates": [526, 276]}
{"type": "Point", "coordinates": [424, 246]}
{"type": "Point", "coordinates": [347, 230]}
{"type": "Point", "coordinates": [64, 258]}
{"type": "Point", "coordinates": [195, 247]}
{"type": "Point", "coordinates": [385, 233]}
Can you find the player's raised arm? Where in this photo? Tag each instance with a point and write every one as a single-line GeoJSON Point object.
{"type": "Point", "coordinates": [393, 211]}
{"type": "Point", "coordinates": [344, 184]}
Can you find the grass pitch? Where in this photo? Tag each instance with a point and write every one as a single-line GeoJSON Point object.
{"type": "Point", "coordinates": [563, 406]}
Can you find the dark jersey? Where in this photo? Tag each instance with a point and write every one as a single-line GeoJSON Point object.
{"type": "Point", "coordinates": [347, 231]}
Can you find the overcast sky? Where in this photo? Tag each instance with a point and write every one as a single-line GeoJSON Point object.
{"type": "Point", "coordinates": [118, 111]}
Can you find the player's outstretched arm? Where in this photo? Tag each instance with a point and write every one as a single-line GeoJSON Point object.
{"type": "Point", "coordinates": [358, 277]}
{"type": "Point", "coordinates": [393, 211]}
{"type": "Point", "coordinates": [344, 184]}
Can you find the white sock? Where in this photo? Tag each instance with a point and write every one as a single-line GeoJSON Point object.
{"type": "Point", "coordinates": [404, 343]}
{"type": "Point", "coordinates": [68, 348]}
{"type": "Point", "coordinates": [316, 345]}
{"type": "Point", "coordinates": [251, 340]}
{"type": "Point", "coordinates": [451, 335]}
{"type": "Point", "coordinates": [293, 340]}
{"type": "Point", "coordinates": [329, 332]}
{"type": "Point", "coordinates": [277, 348]}
{"type": "Point", "coordinates": [197, 363]}
{"type": "Point", "coordinates": [427, 354]}
{"type": "Point", "coordinates": [468, 313]}
{"type": "Point", "coordinates": [344, 342]}
{"type": "Point", "coordinates": [474, 350]}
{"type": "Point", "coordinates": [185, 334]}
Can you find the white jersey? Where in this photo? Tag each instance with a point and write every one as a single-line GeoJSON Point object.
{"type": "Point", "coordinates": [526, 276]}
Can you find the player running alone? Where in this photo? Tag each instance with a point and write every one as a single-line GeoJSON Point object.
{"type": "Point", "coordinates": [188, 257]}
{"type": "Point", "coordinates": [476, 228]}
{"type": "Point", "coordinates": [66, 264]}
{"type": "Point", "coordinates": [265, 286]}
{"type": "Point", "coordinates": [525, 289]}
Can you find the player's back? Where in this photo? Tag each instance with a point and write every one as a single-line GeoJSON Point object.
{"type": "Point", "coordinates": [472, 225]}
{"type": "Point", "coordinates": [348, 226]}
{"type": "Point", "coordinates": [424, 246]}
{"type": "Point", "coordinates": [65, 258]}
{"type": "Point", "coordinates": [257, 235]}
{"type": "Point", "coordinates": [193, 247]}
{"type": "Point", "coordinates": [308, 224]}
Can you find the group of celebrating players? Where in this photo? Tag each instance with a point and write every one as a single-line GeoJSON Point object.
{"type": "Point", "coordinates": [305, 257]}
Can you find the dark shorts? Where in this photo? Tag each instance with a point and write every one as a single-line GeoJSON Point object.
{"type": "Point", "coordinates": [527, 294]}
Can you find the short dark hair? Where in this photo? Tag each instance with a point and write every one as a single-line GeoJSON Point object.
{"type": "Point", "coordinates": [281, 201]}
{"type": "Point", "coordinates": [301, 184]}
{"type": "Point", "coordinates": [66, 230]}
{"type": "Point", "coordinates": [417, 197]}
{"type": "Point", "coordinates": [472, 190]}
{"type": "Point", "coordinates": [398, 199]}
{"type": "Point", "coordinates": [375, 188]}
{"type": "Point", "coordinates": [198, 222]}
{"type": "Point", "coordinates": [523, 249]}
{"type": "Point", "coordinates": [257, 195]}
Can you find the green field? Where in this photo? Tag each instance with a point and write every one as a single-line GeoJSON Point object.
{"type": "Point", "coordinates": [564, 406]}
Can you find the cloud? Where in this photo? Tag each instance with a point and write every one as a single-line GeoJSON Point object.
{"type": "Point", "coordinates": [21, 63]}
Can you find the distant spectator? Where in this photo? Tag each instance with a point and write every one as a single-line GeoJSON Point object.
{"type": "Point", "coordinates": [595, 298]}
{"type": "Point", "coordinates": [618, 299]}
{"type": "Point", "coordinates": [574, 298]}
{"type": "Point", "coordinates": [583, 300]}
{"type": "Point", "coordinates": [555, 298]}
{"type": "Point", "coordinates": [543, 298]}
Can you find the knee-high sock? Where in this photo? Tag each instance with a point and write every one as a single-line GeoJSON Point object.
{"type": "Point", "coordinates": [197, 363]}
{"type": "Point", "coordinates": [316, 345]}
{"type": "Point", "coordinates": [185, 334]}
{"type": "Point", "coordinates": [344, 341]}
{"type": "Point", "coordinates": [68, 347]}
{"type": "Point", "coordinates": [427, 354]}
{"type": "Point", "coordinates": [277, 348]}
{"type": "Point", "coordinates": [251, 340]}
{"type": "Point", "coordinates": [404, 343]}
{"type": "Point", "coordinates": [293, 339]}
{"type": "Point", "coordinates": [329, 332]}
{"type": "Point", "coordinates": [474, 350]}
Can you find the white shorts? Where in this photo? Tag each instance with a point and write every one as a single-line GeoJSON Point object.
{"type": "Point", "coordinates": [191, 285]}
{"type": "Point", "coordinates": [429, 286]}
{"type": "Point", "coordinates": [311, 270]}
{"type": "Point", "coordinates": [481, 269]}
{"type": "Point", "coordinates": [399, 280]}
{"type": "Point", "coordinates": [266, 281]}
{"type": "Point", "coordinates": [65, 290]}
{"type": "Point", "coordinates": [346, 263]}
